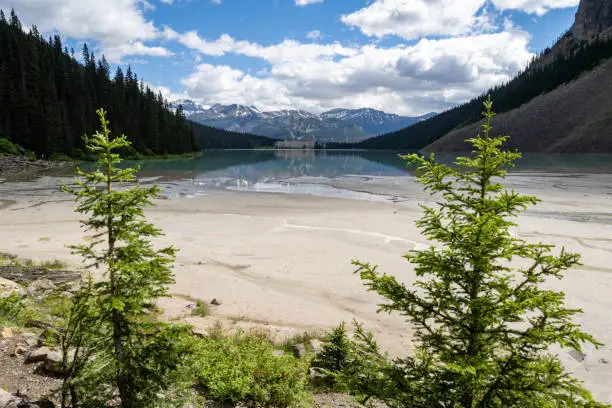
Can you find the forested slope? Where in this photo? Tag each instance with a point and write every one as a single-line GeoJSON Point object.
{"type": "Point", "coordinates": [48, 101]}
{"type": "Point", "coordinates": [574, 118]}
{"type": "Point", "coordinates": [535, 80]}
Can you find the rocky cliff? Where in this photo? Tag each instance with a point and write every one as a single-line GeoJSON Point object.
{"type": "Point", "coordinates": [593, 19]}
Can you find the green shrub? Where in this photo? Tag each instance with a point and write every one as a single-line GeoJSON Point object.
{"type": "Point", "coordinates": [14, 310]}
{"type": "Point", "coordinates": [243, 369]}
{"type": "Point", "coordinates": [61, 157]}
{"type": "Point", "coordinates": [7, 147]}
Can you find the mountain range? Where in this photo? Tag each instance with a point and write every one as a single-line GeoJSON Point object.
{"type": "Point", "coordinates": [337, 125]}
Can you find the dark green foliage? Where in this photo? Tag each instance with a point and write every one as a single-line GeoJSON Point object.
{"type": "Point", "coordinates": [335, 353]}
{"type": "Point", "coordinates": [535, 80]}
{"type": "Point", "coordinates": [6, 147]}
{"type": "Point", "coordinates": [48, 98]}
{"type": "Point", "coordinates": [483, 322]}
{"type": "Point", "coordinates": [243, 369]}
{"type": "Point", "coordinates": [118, 348]}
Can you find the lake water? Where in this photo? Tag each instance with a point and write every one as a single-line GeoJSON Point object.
{"type": "Point", "coordinates": [321, 172]}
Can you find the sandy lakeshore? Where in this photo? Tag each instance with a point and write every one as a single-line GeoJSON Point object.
{"type": "Point", "coordinates": [282, 262]}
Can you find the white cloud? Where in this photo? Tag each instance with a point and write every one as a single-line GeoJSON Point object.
{"type": "Point", "coordinates": [216, 1]}
{"type": "Point", "coordinates": [307, 2]}
{"type": "Point", "coordinates": [538, 7]}
{"type": "Point", "coordinates": [314, 35]}
{"type": "Point", "coordinates": [430, 75]}
{"type": "Point", "coordinates": [119, 26]}
{"type": "Point", "coordinates": [413, 19]}
{"type": "Point", "coordinates": [167, 93]}
{"type": "Point", "coordinates": [115, 52]}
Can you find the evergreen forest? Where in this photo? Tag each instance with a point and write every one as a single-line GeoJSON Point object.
{"type": "Point", "coordinates": [48, 100]}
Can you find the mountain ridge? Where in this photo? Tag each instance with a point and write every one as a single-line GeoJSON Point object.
{"type": "Point", "coordinates": [336, 125]}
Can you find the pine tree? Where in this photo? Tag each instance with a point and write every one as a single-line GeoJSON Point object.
{"type": "Point", "coordinates": [134, 355]}
{"type": "Point", "coordinates": [483, 322]}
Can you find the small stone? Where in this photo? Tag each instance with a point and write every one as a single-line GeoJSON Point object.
{"type": "Point", "coordinates": [216, 302]}
{"type": "Point", "coordinates": [316, 345]}
{"type": "Point", "coordinates": [38, 355]}
{"type": "Point", "coordinates": [278, 353]}
{"type": "Point", "coordinates": [603, 361]}
{"type": "Point", "coordinates": [200, 332]}
{"type": "Point", "coordinates": [19, 350]}
{"type": "Point", "coordinates": [577, 355]}
{"type": "Point", "coordinates": [7, 333]}
{"type": "Point", "coordinates": [40, 285]}
{"type": "Point", "coordinates": [299, 350]}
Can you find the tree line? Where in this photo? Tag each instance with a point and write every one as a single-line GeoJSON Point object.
{"type": "Point", "coordinates": [536, 79]}
{"type": "Point", "coordinates": [48, 101]}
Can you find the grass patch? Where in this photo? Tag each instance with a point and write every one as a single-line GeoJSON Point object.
{"type": "Point", "coordinates": [201, 309]}
{"type": "Point", "coordinates": [54, 264]}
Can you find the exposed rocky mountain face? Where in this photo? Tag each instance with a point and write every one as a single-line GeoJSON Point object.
{"type": "Point", "coordinates": [338, 125]}
{"type": "Point", "coordinates": [593, 19]}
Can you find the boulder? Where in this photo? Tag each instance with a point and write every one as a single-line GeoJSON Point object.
{"type": "Point", "coordinates": [38, 354]}
{"type": "Point", "coordinates": [40, 286]}
{"type": "Point", "coordinates": [299, 350]}
{"type": "Point", "coordinates": [316, 345]}
{"type": "Point", "coordinates": [8, 287]}
{"type": "Point", "coordinates": [8, 400]}
{"type": "Point", "coordinates": [30, 339]}
{"type": "Point", "coordinates": [317, 376]}
{"type": "Point", "coordinates": [53, 363]}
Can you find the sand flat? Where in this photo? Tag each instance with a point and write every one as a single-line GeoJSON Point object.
{"type": "Point", "coordinates": [281, 262]}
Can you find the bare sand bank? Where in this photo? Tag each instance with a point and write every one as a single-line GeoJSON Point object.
{"type": "Point", "coordinates": [281, 262]}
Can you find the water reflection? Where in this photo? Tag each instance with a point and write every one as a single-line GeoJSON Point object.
{"type": "Point", "coordinates": [256, 165]}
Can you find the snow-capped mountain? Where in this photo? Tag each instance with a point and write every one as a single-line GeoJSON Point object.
{"type": "Point", "coordinates": [338, 125]}
{"type": "Point", "coordinates": [373, 121]}
{"type": "Point", "coordinates": [189, 107]}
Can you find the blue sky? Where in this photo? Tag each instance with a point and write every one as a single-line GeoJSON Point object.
{"type": "Point", "coordinates": [402, 56]}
